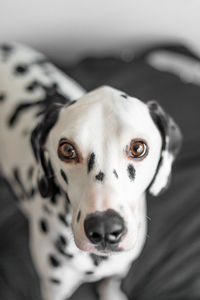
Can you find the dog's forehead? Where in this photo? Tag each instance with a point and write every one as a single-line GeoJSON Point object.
{"type": "Point", "coordinates": [106, 112]}
{"type": "Point", "coordinates": [105, 105]}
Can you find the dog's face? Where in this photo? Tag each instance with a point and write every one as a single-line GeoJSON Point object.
{"type": "Point", "coordinates": [105, 150]}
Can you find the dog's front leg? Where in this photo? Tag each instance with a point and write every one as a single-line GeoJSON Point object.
{"type": "Point", "coordinates": [110, 288]}
{"type": "Point", "coordinates": [58, 290]}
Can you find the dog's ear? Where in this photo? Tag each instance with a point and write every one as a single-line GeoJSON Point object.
{"type": "Point", "coordinates": [171, 143]}
{"type": "Point", "coordinates": [39, 136]}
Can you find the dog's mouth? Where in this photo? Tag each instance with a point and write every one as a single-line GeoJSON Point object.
{"type": "Point", "coordinates": [105, 247]}
{"type": "Point", "coordinates": [105, 252]}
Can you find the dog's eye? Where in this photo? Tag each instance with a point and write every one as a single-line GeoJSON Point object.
{"type": "Point", "coordinates": [66, 151]}
{"type": "Point", "coordinates": [138, 149]}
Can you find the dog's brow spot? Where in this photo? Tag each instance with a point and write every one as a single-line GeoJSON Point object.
{"type": "Point", "coordinates": [54, 261]}
{"type": "Point", "coordinates": [21, 69]}
{"type": "Point", "coordinates": [44, 225]}
{"type": "Point", "coordinates": [100, 176]}
{"type": "Point", "coordinates": [62, 218]}
{"type": "Point", "coordinates": [131, 172]}
{"type": "Point", "coordinates": [115, 173]}
{"type": "Point", "coordinates": [79, 216]}
{"type": "Point", "coordinates": [91, 162]}
{"type": "Point", "coordinates": [124, 96]}
{"type": "Point", "coordinates": [55, 280]}
{"type": "Point", "coordinates": [64, 176]}
{"type": "Point", "coordinates": [2, 97]}
{"type": "Point", "coordinates": [89, 272]}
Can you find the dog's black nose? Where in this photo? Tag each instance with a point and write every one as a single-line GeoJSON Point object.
{"type": "Point", "coordinates": [104, 228]}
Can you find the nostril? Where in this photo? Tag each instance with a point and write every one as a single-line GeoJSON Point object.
{"type": "Point", "coordinates": [114, 237]}
{"type": "Point", "coordinates": [95, 237]}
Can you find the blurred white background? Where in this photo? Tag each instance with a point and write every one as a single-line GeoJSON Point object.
{"type": "Point", "coordinates": [74, 28]}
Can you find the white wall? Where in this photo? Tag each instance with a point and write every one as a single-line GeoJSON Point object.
{"type": "Point", "coordinates": [70, 28]}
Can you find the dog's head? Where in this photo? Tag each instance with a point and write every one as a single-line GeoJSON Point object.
{"type": "Point", "coordinates": [106, 150]}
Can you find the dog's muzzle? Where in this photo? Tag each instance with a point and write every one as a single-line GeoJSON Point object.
{"type": "Point", "coordinates": [104, 229]}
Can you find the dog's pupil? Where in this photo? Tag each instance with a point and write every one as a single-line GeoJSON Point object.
{"type": "Point", "coordinates": [138, 148]}
{"type": "Point", "coordinates": [68, 150]}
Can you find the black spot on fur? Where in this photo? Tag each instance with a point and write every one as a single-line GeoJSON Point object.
{"type": "Point", "coordinates": [43, 187]}
{"type": "Point", "coordinates": [91, 162]}
{"type": "Point", "coordinates": [55, 280]}
{"type": "Point", "coordinates": [30, 172]}
{"type": "Point", "coordinates": [46, 209]}
{"type": "Point", "coordinates": [64, 176]}
{"type": "Point", "coordinates": [124, 96]}
{"type": "Point", "coordinates": [48, 106]}
{"type": "Point", "coordinates": [32, 86]}
{"type": "Point", "coordinates": [89, 272]}
{"type": "Point", "coordinates": [60, 247]}
{"type": "Point", "coordinates": [131, 172]}
{"type": "Point", "coordinates": [115, 173]}
{"type": "Point", "coordinates": [46, 184]}
{"type": "Point", "coordinates": [100, 176]}
{"type": "Point", "coordinates": [2, 97]}
{"type": "Point", "coordinates": [21, 69]}
{"type": "Point", "coordinates": [18, 110]}
{"type": "Point", "coordinates": [79, 216]}
{"type": "Point", "coordinates": [62, 218]}
{"type": "Point", "coordinates": [44, 225]}
{"type": "Point", "coordinates": [53, 199]}
{"type": "Point", "coordinates": [62, 240]}
{"type": "Point", "coordinates": [41, 131]}
{"type": "Point", "coordinates": [54, 262]}
{"type": "Point", "coordinates": [67, 198]}
{"type": "Point", "coordinates": [97, 260]}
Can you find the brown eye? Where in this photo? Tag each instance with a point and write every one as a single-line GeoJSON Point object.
{"type": "Point", "coordinates": [66, 151]}
{"type": "Point", "coordinates": [138, 149]}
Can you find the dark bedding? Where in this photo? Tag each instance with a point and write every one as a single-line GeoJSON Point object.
{"type": "Point", "coordinates": [169, 266]}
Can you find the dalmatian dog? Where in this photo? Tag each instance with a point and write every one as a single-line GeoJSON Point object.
{"type": "Point", "coordinates": [80, 165]}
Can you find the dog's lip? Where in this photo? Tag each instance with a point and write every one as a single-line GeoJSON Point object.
{"type": "Point", "coordinates": [106, 252]}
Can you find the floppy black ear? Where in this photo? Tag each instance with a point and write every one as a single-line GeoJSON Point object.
{"type": "Point", "coordinates": [39, 136]}
{"type": "Point", "coordinates": [171, 143]}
